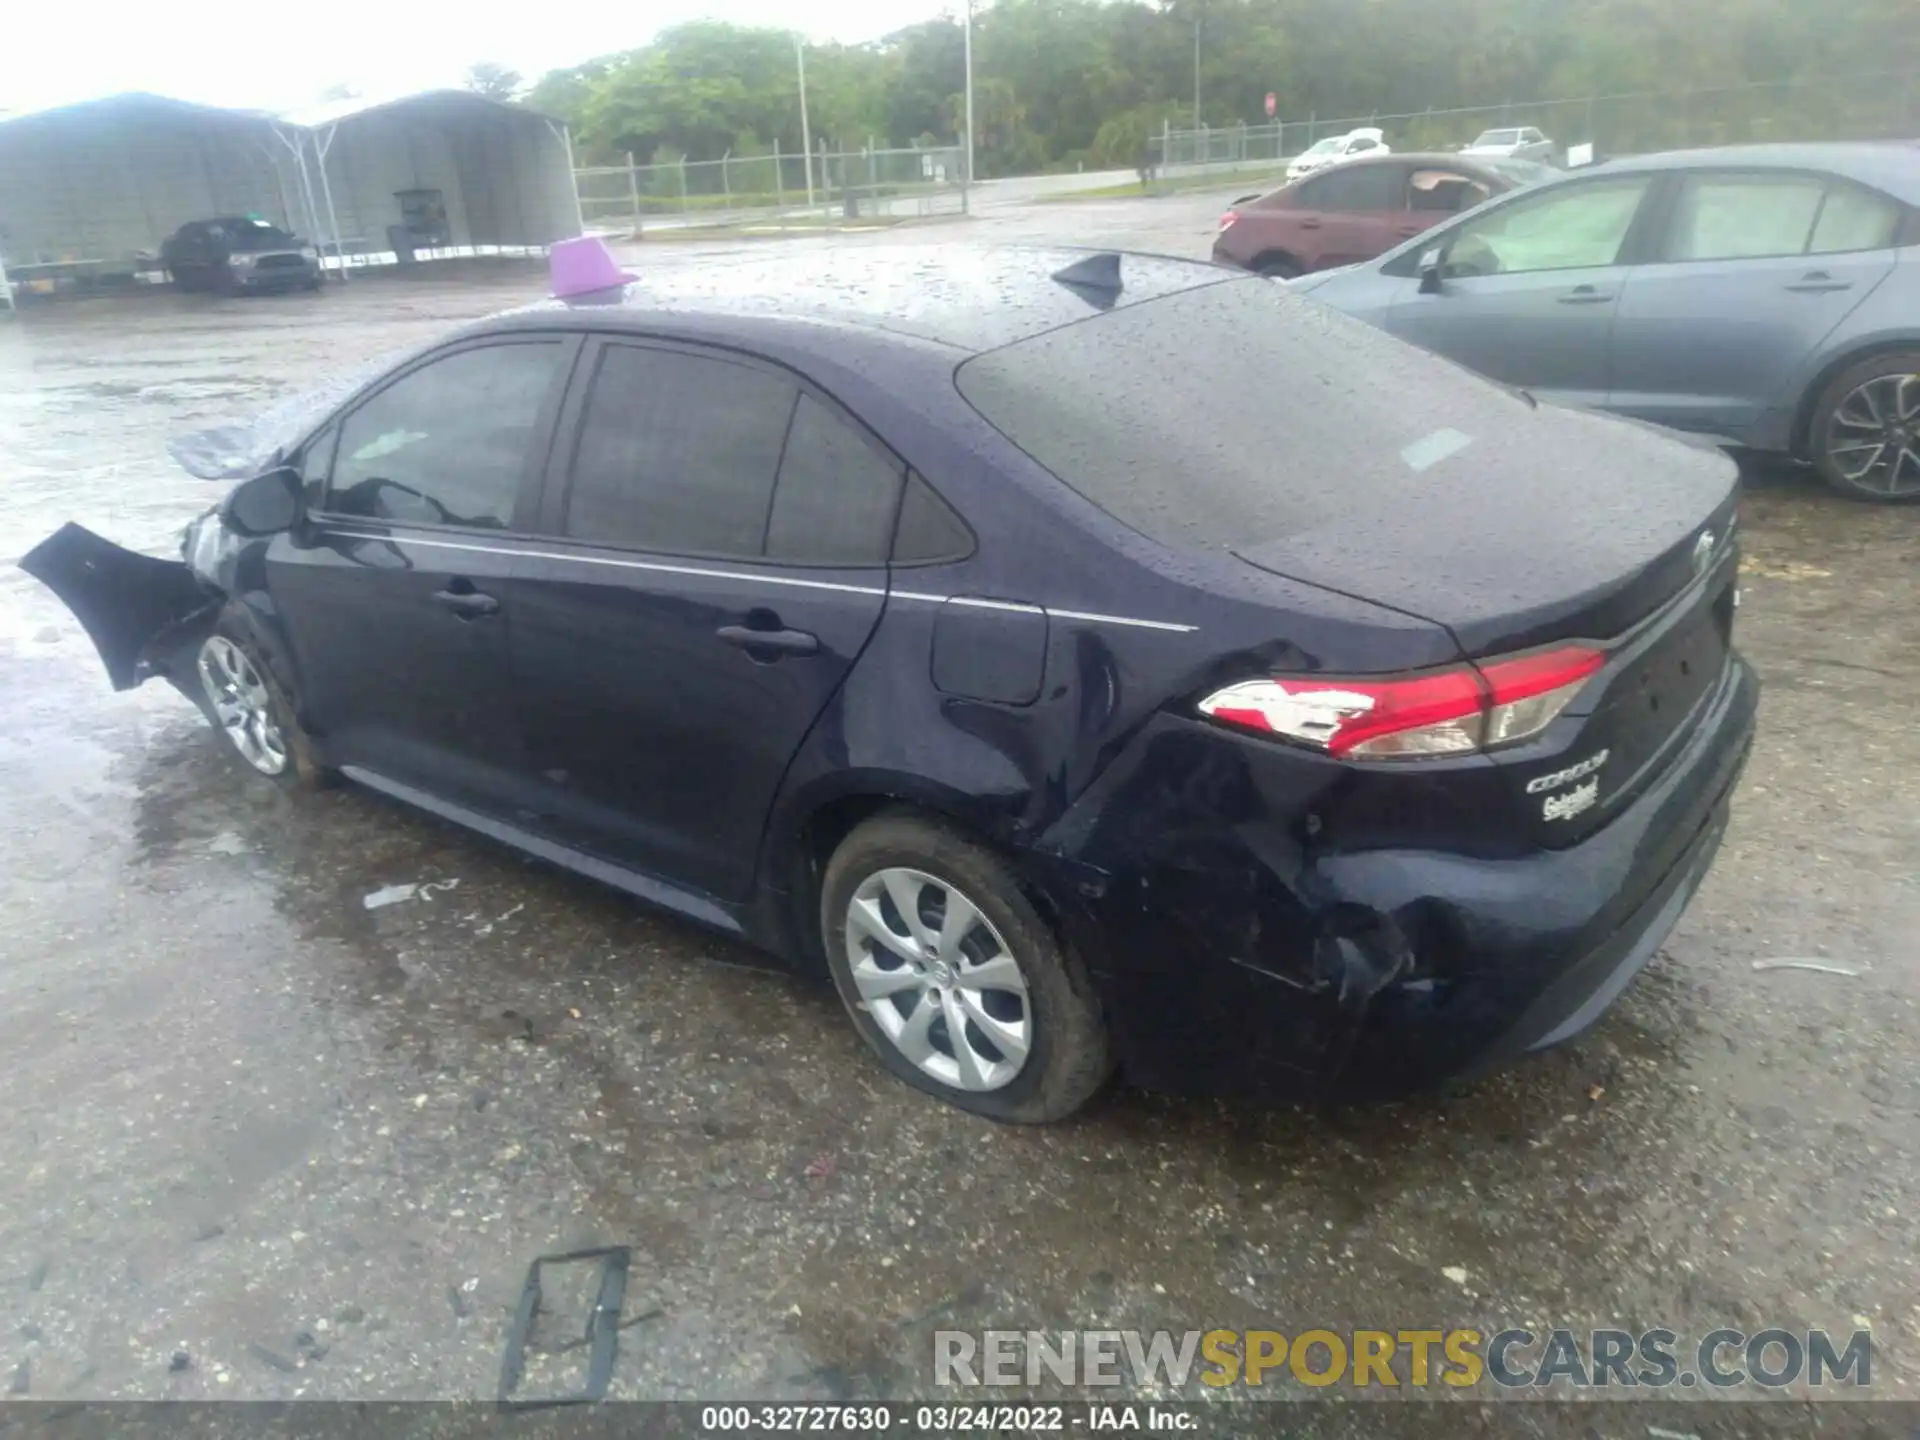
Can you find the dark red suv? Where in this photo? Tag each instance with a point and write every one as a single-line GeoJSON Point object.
{"type": "Point", "coordinates": [1358, 209]}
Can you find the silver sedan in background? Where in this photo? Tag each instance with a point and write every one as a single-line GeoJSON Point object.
{"type": "Point", "coordinates": [1765, 296]}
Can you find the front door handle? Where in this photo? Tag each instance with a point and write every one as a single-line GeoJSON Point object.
{"type": "Point", "coordinates": [1585, 295]}
{"type": "Point", "coordinates": [780, 642]}
{"type": "Point", "coordinates": [1309, 224]}
{"type": "Point", "coordinates": [467, 604]}
{"type": "Point", "coordinates": [1818, 282]}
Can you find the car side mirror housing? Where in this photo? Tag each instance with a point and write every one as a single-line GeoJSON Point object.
{"type": "Point", "coordinates": [264, 505]}
{"type": "Point", "coordinates": [1432, 264]}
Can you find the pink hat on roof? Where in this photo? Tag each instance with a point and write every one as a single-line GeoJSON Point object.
{"type": "Point", "coordinates": [584, 267]}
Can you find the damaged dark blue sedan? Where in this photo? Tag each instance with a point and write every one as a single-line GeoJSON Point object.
{"type": "Point", "coordinates": [1087, 660]}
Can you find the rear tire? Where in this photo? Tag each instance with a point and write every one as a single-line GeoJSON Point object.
{"type": "Point", "coordinates": [1278, 267]}
{"type": "Point", "coordinates": [1031, 1046]}
{"type": "Point", "coordinates": [253, 721]}
{"type": "Point", "coordinates": [1864, 437]}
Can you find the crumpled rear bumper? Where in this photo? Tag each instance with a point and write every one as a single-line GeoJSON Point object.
{"type": "Point", "coordinates": [132, 606]}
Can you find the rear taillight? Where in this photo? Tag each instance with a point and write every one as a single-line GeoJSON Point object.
{"type": "Point", "coordinates": [1441, 712]}
{"type": "Point", "coordinates": [1227, 220]}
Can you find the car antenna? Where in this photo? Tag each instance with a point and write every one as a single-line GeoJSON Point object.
{"type": "Point", "coordinates": [1095, 278]}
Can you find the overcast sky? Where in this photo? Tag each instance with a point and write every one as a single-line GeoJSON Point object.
{"type": "Point", "coordinates": [281, 59]}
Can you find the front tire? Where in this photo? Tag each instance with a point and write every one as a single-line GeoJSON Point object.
{"type": "Point", "coordinates": [248, 708]}
{"type": "Point", "coordinates": [952, 977]}
{"type": "Point", "coordinates": [1865, 435]}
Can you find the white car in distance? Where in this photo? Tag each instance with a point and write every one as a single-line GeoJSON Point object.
{"type": "Point", "coordinates": [1335, 148]}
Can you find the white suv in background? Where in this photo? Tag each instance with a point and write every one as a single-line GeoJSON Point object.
{"type": "Point", "coordinates": [1335, 148]}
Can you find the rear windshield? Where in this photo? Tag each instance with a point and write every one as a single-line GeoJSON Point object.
{"type": "Point", "coordinates": [1233, 414]}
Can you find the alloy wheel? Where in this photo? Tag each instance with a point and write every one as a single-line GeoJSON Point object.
{"type": "Point", "coordinates": [240, 700]}
{"type": "Point", "coordinates": [1873, 436]}
{"type": "Point", "coordinates": [938, 979]}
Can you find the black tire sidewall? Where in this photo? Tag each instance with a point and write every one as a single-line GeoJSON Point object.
{"type": "Point", "coordinates": [1068, 1060]}
{"type": "Point", "coordinates": [1837, 390]}
{"type": "Point", "coordinates": [302, 772]}
{"type": "Point", "coordinates": [1279, 270]}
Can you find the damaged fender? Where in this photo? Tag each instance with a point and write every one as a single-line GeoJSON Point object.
{"type": "Point", "coordinates": [130, 605]}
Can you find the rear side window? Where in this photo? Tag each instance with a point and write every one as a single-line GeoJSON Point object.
{"type": "Point", "coordinates": [448, 443]}
{"type": "Point", "coordinates": [836, 497]}
{"type": "Point", "coordinates": [1754, 217]}
{"type": "Point", "coordinates": [678, 453]}
{"type": "Point", "coordinates": [1854, 219]}
{"type": "Point", "coordinates": [1361, 187]}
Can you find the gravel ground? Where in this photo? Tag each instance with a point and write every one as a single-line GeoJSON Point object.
{"type": "Point", "coordinates": [259, 1141]}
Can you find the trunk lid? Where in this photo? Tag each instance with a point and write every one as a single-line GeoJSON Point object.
{"type": "Point", "coordinates": [1558, 525]}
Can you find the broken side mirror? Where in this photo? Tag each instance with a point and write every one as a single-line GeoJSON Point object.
{"type": "Point", "coordinates": [1432, 267]}
{"type": "Point", "coordinates": [264, 505]}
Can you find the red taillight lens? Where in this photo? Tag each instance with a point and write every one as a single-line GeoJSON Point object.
{"type": "Point", "coordinates": [1444, 712]}
{"type": "Point", "coordinates": [1227, 220]}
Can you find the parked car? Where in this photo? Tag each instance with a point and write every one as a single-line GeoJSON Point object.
{"type": "Point", "coordinates": [1357, 210]}
{"type": "Point", "coordinates": [955, 623]}
{"type": "Point", "coordinates": [1767, 296]}
{"type": "Point", "coordinates": [1522, 142]}
{"type": "Point", "coordinates": [239, 253]}
{"type": "Point", "coordinates": [1336, 148]}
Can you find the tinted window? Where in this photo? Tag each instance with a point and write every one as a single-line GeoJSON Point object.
{"type": "Point", "coordinates": [1357, 187]}
{"type": "Point", "coordinates": [678, 453]}
{"type": "Point", "coordinates": [449, 443]}
{"type": "Point", "coordinates": [1563, 229]}
{"type": "Point", "coordinates": [315, 461]}
{"type": "Point", "coordinates": [837, 496]}
{"type": "Point", "coordinates": [1742, 217]}
{"type": "Point", "coordinates": [1854, 219]}
{"type": "Point", "coordinates": [1135, 412]}
{"type": "Point", "coordinates": [928, 529]}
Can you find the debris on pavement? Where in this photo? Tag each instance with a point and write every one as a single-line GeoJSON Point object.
{"type": "Point", "coordinates": [820, 1167]}
{"type": "Point", "coordinates": [602, 1330]}
{"type": "Point", "coordinates": [397, 894]}
{"type": "Point", "coordinates": [1819, 967]}
{"type": "Point", "coordinates": [180, 1361]}
{"type": "Point", "coordinates": [1456, 1273]}
{"type": "Point", "coordinates": [271, 1357]}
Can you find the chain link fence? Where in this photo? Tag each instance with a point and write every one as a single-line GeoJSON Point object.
{"type": "Point", "coordinates": [778, 190]}
{"type": "Point", "coordinates": [1880, 106]}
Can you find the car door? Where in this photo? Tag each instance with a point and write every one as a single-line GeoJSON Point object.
{"type": "Point", "coordinates": [394, 589]}
{"type": "Point", "coordinates": [1529, 287]}
{"type": "Point", "coordinates": [1349, 213]}
{"type": "Point", "coordinates": [717, 561]}
{"type": "Point", "coordinates": [1750, 272]}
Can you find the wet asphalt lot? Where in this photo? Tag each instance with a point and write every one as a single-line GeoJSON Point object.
{"type": "Point", "coordinates": [311, 1146]}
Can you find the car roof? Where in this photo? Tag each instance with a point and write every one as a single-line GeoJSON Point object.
{"type": "Point", "coordinates": [971, 298]}
{"type": "Point", "coordinates": [1889, 165]}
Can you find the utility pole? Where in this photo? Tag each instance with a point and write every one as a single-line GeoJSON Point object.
{"type": "Point", "coordinates": [968, 42]}
{"type": "Point", "coordinates": [806, 131]}
{"type": "Point", "coordinates": [1196, 67]}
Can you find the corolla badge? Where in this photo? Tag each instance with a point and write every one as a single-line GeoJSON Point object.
{"type": "Point", "coordinates": [1577, 771]}
{"type": "Point", "coordinates": [1571, 803]}
{"type": "Point", "coordinates": [1703, 552]}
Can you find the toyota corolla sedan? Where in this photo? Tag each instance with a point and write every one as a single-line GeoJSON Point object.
{"type": "Point", "coordinates": [950, 622]}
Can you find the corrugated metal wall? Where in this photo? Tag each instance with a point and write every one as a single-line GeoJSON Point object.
{"type": "Point", "coordinates": [109, 182]}
{"type": "Point", "coordinates": [503, 176]}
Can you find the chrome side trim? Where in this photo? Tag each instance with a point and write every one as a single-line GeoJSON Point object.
{"type": "Point", "coordinates": [703, 573]}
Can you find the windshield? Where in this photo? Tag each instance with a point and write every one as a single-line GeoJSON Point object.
{"type": "Point", "coordinates": [257, 235]}
{"type": "Point", "coordinates": [1326, 147]}
{"type": "Point", "coordinates": [1521, 172]}
{"type": "Point", "coordinates": [1498, 137]}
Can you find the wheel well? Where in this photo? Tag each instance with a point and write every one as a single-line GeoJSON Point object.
{"type": "Point", "coordinates": [821, 835]}
{"type": "Point", "coordinates": [1798, 437]}
{"type": "Point", "coordinates": [1266, 256]}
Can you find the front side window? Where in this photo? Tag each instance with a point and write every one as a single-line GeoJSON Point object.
{"type": "Point", "coordinates": [1444, 191]}
{"type": "Point", "coordinates": [448, 443]}
{"type": "Point", "coordinates": [1568, 228]}
{"type": "Point", "coordinates": [678, 453]}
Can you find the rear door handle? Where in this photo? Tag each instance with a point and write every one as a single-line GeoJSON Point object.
{"type": "Point", "coordinates": [785, 642]}
{"type": "Point", "coordinates": [467, 604]}
{"type": "Point", "coordinates": [1818, 282]}
{"type": "Point", "coordinates": [1585, 295]}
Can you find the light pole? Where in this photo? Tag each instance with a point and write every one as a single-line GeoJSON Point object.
{"type": "Point", "coordinates": [1196, 67]}
{"type": "Point", "coordinates": [968, 43]}
{"type": "Point", "coordinates": [806, 131]}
